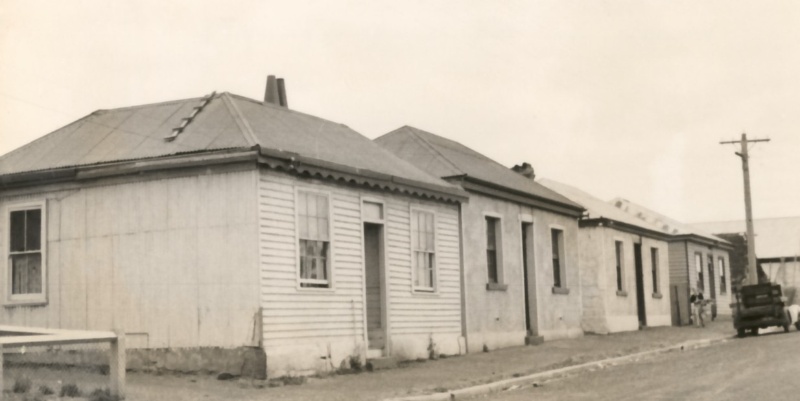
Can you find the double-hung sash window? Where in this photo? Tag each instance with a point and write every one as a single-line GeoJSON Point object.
{"type": "Point", "coordinates": [26, 253]}
{"type": "Point", "coordinates": [557, 243]}
{"type": "Point", "coordinates": [492, 248]}
{"type": "Point", "coordinates": [723, 286]}
{"type": "Point", "coordinates": [314, 239]}
{"type": "Point", "coordinates": [424, 249]}
{"type": "Point", "coordinates": [620, 271]}
{"type": "Point", "coordinates": [654, 268]}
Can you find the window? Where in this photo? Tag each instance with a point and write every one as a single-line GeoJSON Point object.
{"type": "Point", "coordinates": [492, 249]}
{"type": "Point", "coordinates": [424, 248]}
{"type": "Point", "coordinates": [26, 253]}
{"type": "Point", "coordinates": [723, 286]}
{"type": "Point", "coordinates": [314, 237]}
{"type": "Point", "coordinates": [557, 242]}
{"type": "Point", "coordinates": [620, 280]}
{"type": "Point", "coordinates": [698, 264]}
{"type": "Point", "coordinates": [654, 268]}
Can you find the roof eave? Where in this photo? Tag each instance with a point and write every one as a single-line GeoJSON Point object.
{"type": "Point", "coordinates": [703, 240]}
{"type": "Point", "coordinates": [622, 226]}
{"type": "Point", "coordinates": [498, 191]}
{"type": "Point", "coordinates": [127, 167]}
{"type": "Point", "coordinates": [290, 161]}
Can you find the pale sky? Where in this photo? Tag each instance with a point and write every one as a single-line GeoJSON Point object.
{"type": "Point", "coordinates": [618, 98]}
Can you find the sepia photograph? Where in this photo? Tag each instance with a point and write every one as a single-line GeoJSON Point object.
{"type": "Point", "coordinates": [408, 200]}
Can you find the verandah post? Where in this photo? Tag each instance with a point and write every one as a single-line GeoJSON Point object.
{"type": "Point", "coordinates": [117, 363]}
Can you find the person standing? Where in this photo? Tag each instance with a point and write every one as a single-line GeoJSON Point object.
{"type": "Point", "coordinates": [701, 309]}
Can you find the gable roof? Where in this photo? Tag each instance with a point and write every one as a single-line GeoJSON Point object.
{"type": "Point", "coordinates": [775, 237]}
{"type": "Point", "coordinates": [665, 224]}
{"type": "Point", "coordinates": [445, 158]}
{"type": "Point", "coordinates": [598, 209]}
{"type": "Point", "coordinates": [226, 122]}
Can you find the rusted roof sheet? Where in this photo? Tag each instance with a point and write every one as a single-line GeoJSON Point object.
{"type": "Point", "coordinates": [661, 222]}
{"type": "Point", "coordinates": [775, 237]}
{"type": "Point", "coordinates": [446, 158]}
{"type": "Point", "coordinates": [226, 122]}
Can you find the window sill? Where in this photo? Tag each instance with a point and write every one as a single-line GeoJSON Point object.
{"type": "Point", "coordinates": [496, 287]}
{"type": "Point", "coordinates": [14, 304]}
{"type": "Point", "coordinates": [621, 293]}
{"type": "Point", "coordinates": [560, 290]}
{"type": "Point", "coordinates": [300, 288]}
{"type": "Point", "coordinates": [424, 292]}
{"type": "Point", "coordinates": [658, 295]}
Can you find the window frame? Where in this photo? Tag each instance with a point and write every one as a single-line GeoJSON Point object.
{"type": "Point", "coordinates": [499, 285]}
{"type": "Point", "coordinates": [700, 283]}
{"type": "Point", "coordinates": [619, 255]}
{"type": "Point", "coordinates": [298, 252]}
{"type": "Point", "coordinates": [655, 269]}
{"type": "Point", "coordinates": [26, 299]}
{"type": "Point", "coordinates": [562, 287]}
{"type": "Point", "coordinates": [722, 276]}
{"type": "Point", "coordinates": [412, 235]}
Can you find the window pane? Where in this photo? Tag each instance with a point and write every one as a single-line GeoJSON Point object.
{"type": "Point", "coordinates": [33, 230]}
{"type": "Point", "coordinates": [618, 246]}
{"type": "Point", "coordinates": [491, 262]}
{"type": "Point", "coordinates": [17, 221]}
{"type": "Point", "coordinates": [26, 274]}
{"type": "Point", "coordinates": [311, 210]}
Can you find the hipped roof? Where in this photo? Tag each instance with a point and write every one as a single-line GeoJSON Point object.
{"type": "Point", "coordinates": [775, 237]}
{"type": "Point", "coordinates": [446, 158]}
{"type": "Point", "coordinates": [227, 122]}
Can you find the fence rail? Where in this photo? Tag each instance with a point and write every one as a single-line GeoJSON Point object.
{"type": "Point", "coordinates": [16, 336]}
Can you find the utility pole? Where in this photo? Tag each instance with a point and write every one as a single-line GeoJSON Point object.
{"type": "Point", "coordinates": [752, 271]}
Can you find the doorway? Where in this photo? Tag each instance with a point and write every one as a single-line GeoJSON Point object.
{"type": "Point", "coordinates": [529, 277]}
{"type": "Point", "coordinates": [375, 289]}
{"type": "Point", "coordinates": [712, 286]}
{"type": "Point", "coordinates": [640, 306]}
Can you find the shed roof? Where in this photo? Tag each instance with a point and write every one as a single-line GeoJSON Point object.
{"type": "Point", "coordinates": [227, 122]}
{"type": "Point", "coordinates": [443, 157]}
{"type": "Point", "coordinates": [663, 223]}
{"type": "Point", "coordinates": [775, 237]}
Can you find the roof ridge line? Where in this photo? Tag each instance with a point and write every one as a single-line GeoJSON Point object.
{"type": "Point", "coordinates": [241, 122]}
{"type": "Point", "coordinates": [427, 144]}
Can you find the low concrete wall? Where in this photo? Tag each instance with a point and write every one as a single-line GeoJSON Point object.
{"type": "Point", "coordinates": [242, 361]}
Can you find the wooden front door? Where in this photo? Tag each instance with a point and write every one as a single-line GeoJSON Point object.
{"type": "Point", "coordinates": [529, 275]}
{"type": "Point", "coordinates": [373, 264]}
{"type": "Point", "coordinates": [637, 254]}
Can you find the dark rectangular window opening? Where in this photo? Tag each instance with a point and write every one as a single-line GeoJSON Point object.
{"type": "Point", "coordinates": [492, 263]}
{"type": "Point", "coordinates": [654, 268]}
{"type": "Point", "coordinates": [556, 240]}
{"type": "Point", "coordinates": [25, 251]}
{"type": "Point", "coordinates": [618, 250]}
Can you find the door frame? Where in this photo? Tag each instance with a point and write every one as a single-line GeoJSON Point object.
{"type": "Point", "coordinates": [382, 271]}
{"type": "Point", "coordinates": [638, 267]}
{"type": "Point", "coordinates": [528, 255]}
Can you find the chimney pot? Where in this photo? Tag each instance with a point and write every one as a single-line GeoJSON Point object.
{"type": "Point", "coordinates": [271, 93]}
{"type": "Point", "coordinates": [282, 93]}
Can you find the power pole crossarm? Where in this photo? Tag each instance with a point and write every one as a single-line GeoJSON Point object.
{"type": "Point", "coordinates": [752, 271]}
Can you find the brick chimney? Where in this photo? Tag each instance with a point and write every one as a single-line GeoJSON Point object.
{"type": "Point", "coordinates": [276, 92]}
{"type": "Point", "coordinates": [525, 169]}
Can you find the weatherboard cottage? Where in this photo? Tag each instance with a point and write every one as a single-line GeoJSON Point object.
{"type": "Point", "coordinates": [222, 225]}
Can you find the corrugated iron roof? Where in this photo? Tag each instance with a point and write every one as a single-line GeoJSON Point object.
{"type": "Point", "coordinates": [596, 208]}
{"type": "Point", "coordinates": [227, 121]}
{"type": "Point", "coordinates": [446, 158]}
{"type": "Point", "coordinates": [775, 238]}
{"type": "Point", "coordinates": [661, 222]}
